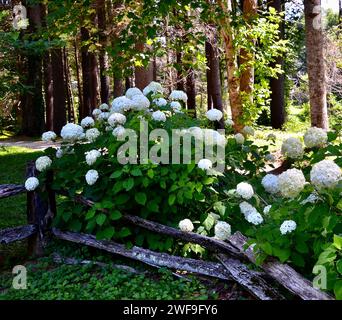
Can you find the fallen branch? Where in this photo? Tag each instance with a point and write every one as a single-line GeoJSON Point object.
{"type": "Point", "coordinates": [10, 235]}
{"type": "Point", "coordinates": [237, 271]}
{"type": "Point", "coordinates": [9, 190]}
{"type": "Point", "coordinates": [282, 273]}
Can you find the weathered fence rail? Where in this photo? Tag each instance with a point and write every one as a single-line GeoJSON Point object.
{"type": "Point", "coordinates": [231, 256]}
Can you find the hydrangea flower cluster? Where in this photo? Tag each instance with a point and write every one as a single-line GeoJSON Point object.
{"type": "Point", "coordinates": [119, 131]}
{"type": "Point", "coordinates": [315, 137]}
{"type": "Point", "coordinates": [325, 174]}
{"type": "Point", "coordinates": [43, 163]}
{"type": "Point", "coordinates": [248, 131]}
{"type": "Point", "coordinates": [245, 190]}
{"type": "Point", "coordinates": [92, 156]}
{"type": "Point", "coordinates": [91, 177]}
{"type": "Point", "coordinates": [291, 183]}
{"type": "Point", "coordinates": [159, 116]}
{"type": "Point", "coordinates": [31, 184]}
{"type": "Point", "coordinates": [92, 134]}
{"type": "Point", "coordinates": [251, 214]}
{"type": "Point", "coordinates": [153, 87]}
{"type": "Point", "coordinates": [131, 92]}
{"type": "Point", "coordinates": [72, 132]}
{"type": "Point", "coordinates": [288, 226]}
{"type": "Point", "coordinates": [116, 118]}
{"type": "Point", "coordinates": [178, 95]}
{"type": "Point", "coordinates": [186, 225]}
{"type": "Point", "coordinates": [239, 138]}
{"type": "Point", "coordinates": [214, 115]}
{"type": "Point", "coordinates": [205, 164]}
{"type": "Point", "coordinates": [222, 230]}
{"type": "Point", "coordinates": [270, 182]}
{"type": "Point", "coordinates": [49, 136]}
{"type": "Point", "coordinates": [160, 102]}
{"type": "Point", "coordinates": [87, 122]}
{"type": "Point", "coordinates": [229, 123]}
{"type": "Point", "coordinates": [292, 148]}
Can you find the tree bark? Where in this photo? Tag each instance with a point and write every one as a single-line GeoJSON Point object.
{"type": "Point", "coordinates": [277, 85]}
{"type": "Point", "coordinates": [179, 78]}
{"type": "Point", "coordinates": [103, 56]}
{"type": "Point", "coordinates": [118, 87]}
{"type": "Point", "coordinates": [48, 89]}
{"type": "Point", "coordinates": [79, 87]}
{"type": "Point", "coordinates": [143, 76]}
{"type": "Point", "coordinates": [68, 90]}
{"type": "Point", "coordinates": [191, 89]}
{"type": "Point", "coordinates": [33, 123]}
{"type": "Point", "coordinates": [315, 63]}
{"type": "Point", "coordinates": [59, 92]}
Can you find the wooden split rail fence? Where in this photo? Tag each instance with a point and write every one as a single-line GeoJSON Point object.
{"type": "Point", "coordinates": [232, 258]}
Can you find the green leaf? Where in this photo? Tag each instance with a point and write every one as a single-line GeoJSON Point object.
{"type": "Point", "coordinates": [124, 232]}
{"type": "Point", "coordinates": [140, 198]}
{"type": "Point", "coordinates": [100, 219]}
{"type": "Point", "coordinates": [115, 215]}
{"type": "Point", "coordinates": [339, 266]}
{"type": "Point", "coordinates": [150, 173]}
{"type": "Point", "coordinates": [90, 214]}
{"type": "Point", "coordinates": [172, 199]}
{"type": "Point", "coordinates": [128, 184]}
{"type": "Point", "coordinates": [209, 222]}
{"type": "Point", "coordinates": [302, 247]}
{"type": "Point", "coordinates": [106, 233]}
{"type": "Point", "coordinates": [136, 172]}
{"type": "Point", "coordinates": [116, 174]}
{"type": "Point", "coordinates": [338, 290]}
{"type": "Point", "coordinates": [75, 225]}
{"type": "Point", "coordinates": [282, 254]}
{"type": "Point", "coordinates": [121, 199]}
{"type": "Point", "coordinates": [267, 248]}
{"type": "Point", "coordinates": [338, 242]}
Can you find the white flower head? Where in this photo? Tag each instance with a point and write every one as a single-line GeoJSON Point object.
{"type": "Point", "coordinates": [255, 218]}
{"type": "Point", "coordinates": [239, 138]}
{"type": "Point", "coordinates": [223, 230]}
{"type": "Point", "coordinates": [159, 116]}
{"type": "Point", "coordinates": [245, 190]}
{"type": "Point", "coordinates": [229, 123]}
{"type": "Point", "coordinates": [153, 87]}
{"type": "Point", "coordinates": [43, 163]}
{"type": "Point", "coordinates": [246, 209]}
{"type": "Point", "coordinates": [267, 209]}
{"type": "Point", "coordinates": [104, 107]}
{"type": "Point", "coordinates": [119, 132]}
{"type": "Point", "coordinates": [72, 132]}
{"type": "Point", "coordinates": [160, 102]}
{"type": "Point", "coordinates": [248, 131]}
{"type": "Point", "coordinates": [214, 115]}
{"type": "Point", "coordinates": [131, 92]}
{"type": "Point", "coordinates": [205, 164]}
{"type": "Point", "coordinates": [87, 122]}
{"type": "Point", "coordinates": [91, 177]}
{"type": "Point", "coordinates": [92, 156]}
{"type": "Point", "coordinates": [315, 137]}
{"type": "Point", "coordinates": [140, 102]}
{"type": "Point", "coordinates": [325, 174]}
{"type": "Point", "coordinates": [116, 118]}
{"type": "Point", "coordinates": [213, 137]}
{"type": "Point", "coordinates": [176, 106]}
{"type": "Point", "coordinates": [31, 184]}
{"type": "Point", "coordinates": [186, 225]}
{"type": "Point", "coordinates": [92, 134]}
{"type": "Point", "coordinates": [288, 226]}
{"type": "Point", "coordinates": [291, 183]}
{"type": "Point", "coordinates": [103, 116]}
{"type": "Point", "coordinates": [178, 95]}
{"type": "Point", "coordinates": [96, 113]}
{"type": "Point", "coordinates": [292, 148]}
{"type": "Point", "coordinates": [122, 104]}
{"type": "Point", "coordinates": [59, 153]}
{"type": "Point", "coordinates": [312, 198]}
{"type": "Point", "coordinates": [49, 136]}
{"type": "Point", "coordinates": [270, 183]}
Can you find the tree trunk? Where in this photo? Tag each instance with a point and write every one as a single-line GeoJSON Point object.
{"type": "Point", "coordinates": [315, 63]}
{"type": "Point", "coordinates": [208, 55]}
{"type": "Point", "coordinates": [191, 89]}
{"type": "Point", "coordinates": [246, 56]}
{"type": "Point", "coordinates": [68, 89]}
{"type": "Point", "coordinates": [118, 87]}
{"type": "Point", "coordinates": [48, 88]}
{"type": "Point", "coordinates": [79, 88]}
{"type": "Point", "coordinates": [179, 81]}
{"type": "Point", "coordinates": [231, 65]}
{"type": "Point", "coordinates": [103, 56]}
{"type": "Point", "coordinates": [143, 76]}
{"type": "Point", "coordinates": [59, 92]}
{"type": "Point", "coordinates": [33, 123]}
{"type": "Point", "coordinates": [277, 85]}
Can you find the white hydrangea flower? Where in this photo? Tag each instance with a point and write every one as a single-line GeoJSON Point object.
{"type": "Point", "coordinates": [96, 113]}
{"type": "Point", "coordinates": [315, 137]}
{"type": "Point", "coordinates": [214, 115]}
{"type": "Point", "coordinates": [131, 92]}
{"type": "Point", "coordinates": [246, 209]}
{"type": "Point", "coordinates": [291, 183]}
{"type": "Point", "coordinates": [109, 128]}
{"type": "Point", "coordinates": [140, 102]}
{"type": "Point", "coordinates": [229, 123]}
{"type": "Point", "coordinates": [92, 134]}
{"type": "Point", "coordinates": [91, 177]}
{"type": "Point", "coordinates": [205, 164]}
{"type": "Point", "coordinates": [178, 95]}
{"type": "Point", "coordinates": [196, 132]}
{"type": "Point", "coordinates": [121, 104]}
{"type": "Point", "coordinates": [31, 184]}
{"type": "Point", "coordinates": [92, 156]}
{"type": "Point", "coordinates": [223, 230]}
{"type": "Point", "coordinates": [186, 225]}
{"type": "Point", "coordinates": [87, 122]}
{"type": "Point", "coordinates": [72, 132]}
{"type": "Point", "coordinates": [104, 107]}
{"type": "Point", "coordinates": [116, 118]}
{"type": "Point", "coordinates": [245, 190]}
{"type": "Point", "coordinates": [59, 153]}
{"type": "Point", "coordinates": [292, 148]}
{"type": "Point", "coordinates": [213, 137]}
{"type": "Point", "coordinates": [119, 131]}
{"type": "Point", "coordinates": [43, 163]}
{"type": "Point", "coordinates": [255, 218]}
{"type": "Point", "coordinates": [49, 136]}
{"type": "Point", "coordinates": [325, 174]}
{"type": "Point", "coordinates": [160, 102]}
{"type": "Point", "coordinates": [288, 226]}
{"type": "Point", "coordinates": [270, 157]}
{"type": "Point", "coordinates": [267, 209]}
{"type": "Point", "coordinates": [176, 106]}
{"type": "Point", "coordinates": [103, 116]}
{"type": "Point", "coordinates": [248, 131]}
{"type": "Point", "coordinates": [153, 87]}
{"type": "Point", "coordinates": [159, 116]}
{"type": "Point", "coordinates": [270, 183]}
{"type": "Point", "coordinates": [312, 198]}
{"type": "Point", "coordinates": [239, 138]}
